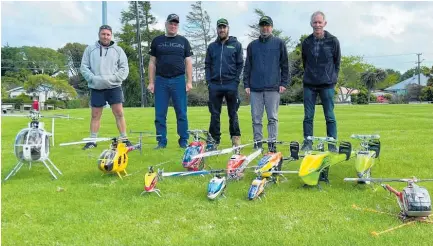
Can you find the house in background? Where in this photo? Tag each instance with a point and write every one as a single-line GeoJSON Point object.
{"type": "Point", "coordinates": [401, 88]}
{"type": "Point", "coordinates": [42, 94]}
{"type": "Point", "coordinates": [344, 94]}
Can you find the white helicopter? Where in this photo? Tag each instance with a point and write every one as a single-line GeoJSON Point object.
{"type": "Point", "coordinates": [32, 144]}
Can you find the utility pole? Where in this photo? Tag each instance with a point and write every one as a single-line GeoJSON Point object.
{"type": "Point", "coordinates": [140, 57]}
{"type": "Point", "coordinates": [104, 12]}
{"type": "Point", "coordinates": [419, 70]}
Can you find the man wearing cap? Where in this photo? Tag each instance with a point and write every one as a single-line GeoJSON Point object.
{"type": "Point", "coordinates": [266, 75]}
{"type": "Point", "coordinates": [104, 66]}
{"type": "Point", "coordinates": [321, 59]}
{"type": "Point", "coordinates": [170, 58]}
{"type": "Point", "coordinates": [223, 68]}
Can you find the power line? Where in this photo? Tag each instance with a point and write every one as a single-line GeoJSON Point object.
{"type": "Point", "coordinates": [388, 55]}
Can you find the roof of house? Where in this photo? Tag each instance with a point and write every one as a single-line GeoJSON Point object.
{"type": "Point", "coordinates": [412, 80]}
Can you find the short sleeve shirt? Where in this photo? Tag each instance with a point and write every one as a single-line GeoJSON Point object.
{"type": "Point", "coordinates": [170, 53]}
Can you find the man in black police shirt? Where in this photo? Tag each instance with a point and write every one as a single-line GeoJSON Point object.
{"type": "Point", "coordinates": [223, 67]}
{"type": "Point", "coordinates": [170, 54]}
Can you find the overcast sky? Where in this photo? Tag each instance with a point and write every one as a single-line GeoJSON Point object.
{"type": "Point", "coordinates": [370, 29]}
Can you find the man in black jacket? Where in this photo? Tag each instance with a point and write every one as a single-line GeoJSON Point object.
{"type": "Point", "coordinates": [266, 75]}
{"type": "Point", "coordinates": [321, 59]}
{"type": "Point", "coordinates": [223, 67]}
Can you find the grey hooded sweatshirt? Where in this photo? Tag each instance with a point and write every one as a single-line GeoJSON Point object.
{"type": "Point", "coordinates": [104, 67]}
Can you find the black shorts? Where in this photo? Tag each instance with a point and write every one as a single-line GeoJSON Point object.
{"type": "Point", "coordinates": [99, 98]}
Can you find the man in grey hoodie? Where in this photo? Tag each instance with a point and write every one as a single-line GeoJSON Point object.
{"type": "Point", "coordinates": [105, 66]}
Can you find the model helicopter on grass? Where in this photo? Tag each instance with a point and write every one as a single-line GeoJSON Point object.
{"type": "Point", "coordinates": [237, 162]}
{"type": "Point", "coordinates": [315, 164]}
{"type": "Point", "coordinates": [115, 158]}
{"type": "Point", "coordinates": [366, 156]}
{"type": "Point", "coordinates": [236, 167]}
{"type": "Point", "coordinates": [269, 170]}
{"type": "Point", "coordinates": [414, 201]}
{"type": "Point", "coordinates": [32, 144]}
{"type": "Point", "coordinates": [151, 178]}
{"type": "Point", "coordinates": [199, 145]}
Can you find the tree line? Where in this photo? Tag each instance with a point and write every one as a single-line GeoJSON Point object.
{"type": "Point", "coordinates": [30, 66]}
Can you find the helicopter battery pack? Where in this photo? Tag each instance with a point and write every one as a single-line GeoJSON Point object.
{"type": "Point", "coordinates": [416, 201]}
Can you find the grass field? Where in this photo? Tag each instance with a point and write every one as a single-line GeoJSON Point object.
{"type": "Point", "coordinates": [104, 210]}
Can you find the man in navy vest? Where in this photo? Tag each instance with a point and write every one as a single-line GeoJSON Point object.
{"type": "Point", "coordinates": [170, 58]}
{"type": "Point", "coordinates": [321, 59]}
{"type": "Point", "coordinates": [223, 68]}
{"type": "Point", "coordinates": [266, 75]}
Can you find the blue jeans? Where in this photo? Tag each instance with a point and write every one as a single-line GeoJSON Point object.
{"type": "Point", "coordinates": [176, 89]}
{"type": "Point", "coordinates": [327, 98]}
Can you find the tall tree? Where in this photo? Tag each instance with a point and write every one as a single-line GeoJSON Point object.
{"type": "Point", "coordinates": [199, 32]}
{"type": "Point", "coordinates": [74, 53]}
{"type": "Point", "coordinates": [127, 39]}
{"type": "Point", "coordinates": [349, 77]}
{"type": "Point", "coordinates": [371, 78]}
{"type": "Point", "coordinates": [36, 59]}
{"type": "Point", "coordinates": [255, 30]}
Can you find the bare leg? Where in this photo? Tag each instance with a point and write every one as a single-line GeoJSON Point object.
{"type": "Point", "coordinates": [120, 120]}
{"type": "Point", "coordinates": [95, 122]}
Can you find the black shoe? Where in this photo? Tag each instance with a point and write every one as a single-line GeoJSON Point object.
{"type": "Point", "coordinates": [307, 146]}
{"type": "Point", "coordinates": [324, 175]}
{"type": "Point", "coordinates": [332, 148]}
{"type": "Point", "coordinates": [160, 147]}
{"type": "Point", "coordinates": [90, 145]}
{"type": "Point", "coordinates": [272, 147]}
{"type": "Point", "coordinates": [258, 145]}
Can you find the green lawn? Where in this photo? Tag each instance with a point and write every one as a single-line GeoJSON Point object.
{"type": "Point", "coordinates": [104, 210]}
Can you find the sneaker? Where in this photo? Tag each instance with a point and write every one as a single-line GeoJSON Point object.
{"type": "Point", "coordinates": [307, 146]}
{"type": "Point", "coordinates": [272, 147]}
{"type": "Point", "coordinates": [236, 141]}
{"type": "Point", "coordinates": [183, 146]}
{"type": "Point", "coordinates": [127, 143]}
{"type": "Point", "coordinates": [324, 175]}
{"type": "Point", "coordinates": [90, 145]}
{"type": "Point", "coordinates": [258, 145]}
{"type": "Point", "coordinates": [159, 147]}
{"type": "Point", "coordinates": [211, 146]}
{"type": "Point", "coordinates": [332, 148]}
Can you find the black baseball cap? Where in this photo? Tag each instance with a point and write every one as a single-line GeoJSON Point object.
{"type": "Point", "coordinates": [223, 22]}
{"type": "Point", "coordinates": [173, 18]}
{"type": "Point", "coordinates": [266, 20]}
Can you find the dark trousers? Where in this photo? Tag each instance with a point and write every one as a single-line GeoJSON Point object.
{"type": "Point", "coordinates": [176, 89]}
{"type": "Point", "coordinates": [216, 94]}
{"type": "Point", "coordinates": [327, 97]}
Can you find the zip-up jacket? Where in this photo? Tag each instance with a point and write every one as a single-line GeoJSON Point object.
{"type": "Point", "coordinates": [321, 60]}
{"type": "Point", "coordinates": [267, 65]}
{"type": "Point", "coordinates": [104, 67]}
{"type": "Point", "coordinates": [224, 61]}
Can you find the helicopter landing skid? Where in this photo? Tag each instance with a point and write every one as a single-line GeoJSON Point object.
{"type": "Point", "coordinates": [21, 163]}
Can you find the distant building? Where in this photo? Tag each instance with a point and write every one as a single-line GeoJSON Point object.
{"type": "Point", "coordinates": [42, 94]}
{"type": "Point", "coordinates": [400, 88]}
{"type": "Point", "coordinates": [344, 94]}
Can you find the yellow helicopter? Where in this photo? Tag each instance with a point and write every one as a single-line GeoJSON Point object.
{"type": "Point", "coordinates": [315, 164]}
{"type": "Point", "coordinates": [114, 159]}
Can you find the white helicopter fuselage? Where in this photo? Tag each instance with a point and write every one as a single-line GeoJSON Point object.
{"type": "Point", "coordinates": [32, 144]}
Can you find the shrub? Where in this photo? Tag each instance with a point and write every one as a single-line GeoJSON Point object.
{"type": "Point", "coordinates": [56, 103]}
{"type": "Point", "coordinates": [73, 104]}
{"type": "Point", "coordinates": [427, 93]}
{"type": "Point", "coordinates": [388, 97]}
